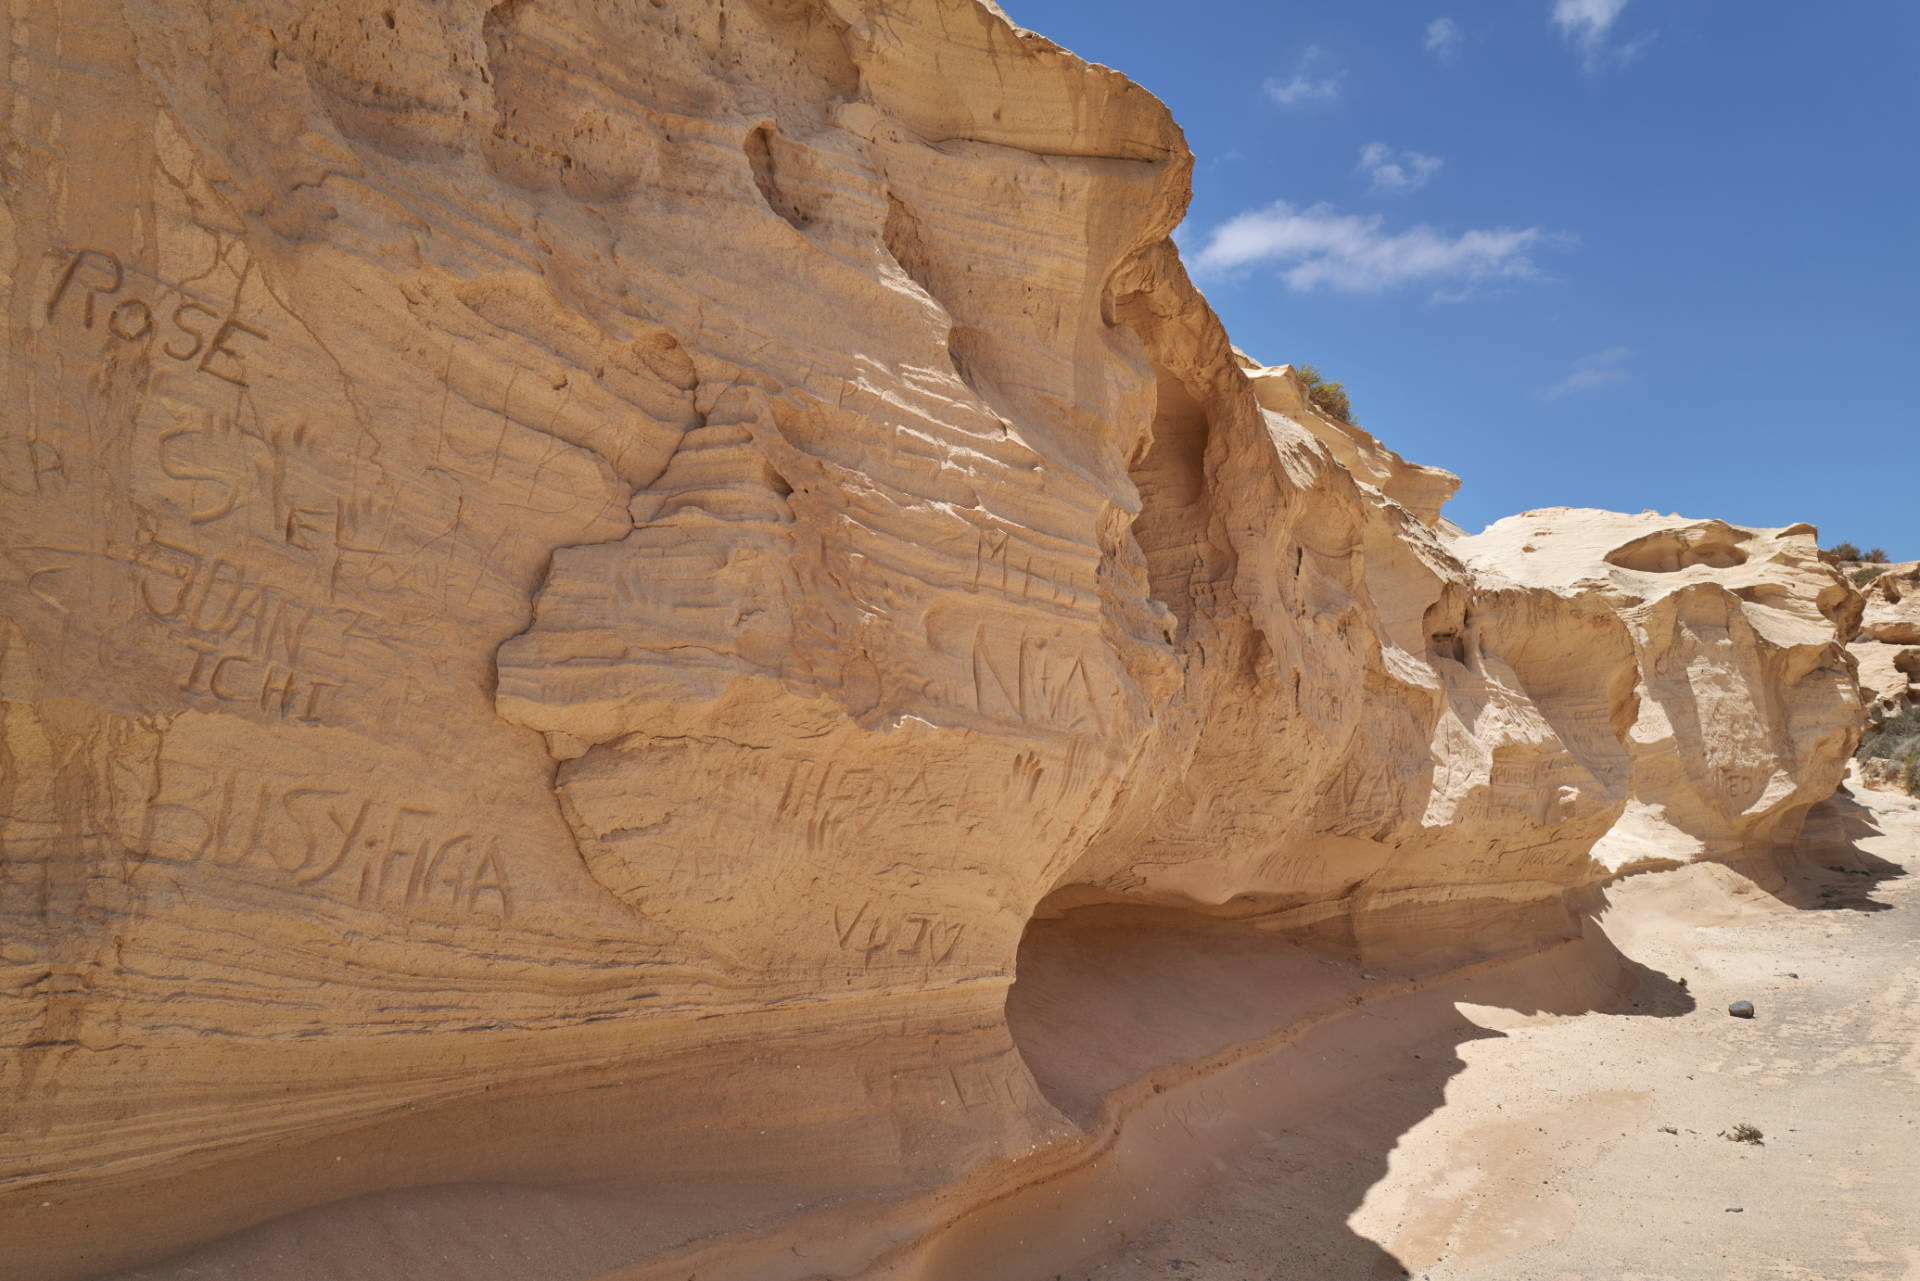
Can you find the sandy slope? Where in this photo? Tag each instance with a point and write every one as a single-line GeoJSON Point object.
{"type": "Point", "coordinates": [1482, 1126]}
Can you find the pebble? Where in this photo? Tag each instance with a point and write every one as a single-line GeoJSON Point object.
{"type": "Point", "coordinates": [1741, 1009]}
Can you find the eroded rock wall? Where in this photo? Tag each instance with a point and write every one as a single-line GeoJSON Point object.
{"type": "Point", "coordinates": [1887, 645]}
{"type": "Point", "coordinates": [547, 536]}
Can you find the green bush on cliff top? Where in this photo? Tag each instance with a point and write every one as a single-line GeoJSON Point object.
{"type": "Point", "coordinates": [1329, 398]}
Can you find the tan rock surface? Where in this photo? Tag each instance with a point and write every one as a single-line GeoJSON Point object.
{"type": "Point", "coordinates": [1892, 614]}
{"type": "Point", "coordinates": [576, 578]}
{"type": "Point", "coordinates": [1887, 675]}
{"type": "Point", "coordinates": [1887, 647]}
{"type": "Point", "coordinates": [1421, 490]}
{"type": "Point", "coordinates": [1741, 684]}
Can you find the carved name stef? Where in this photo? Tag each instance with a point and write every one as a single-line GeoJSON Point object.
{"type": "Point", "coordinates": [91, 287]}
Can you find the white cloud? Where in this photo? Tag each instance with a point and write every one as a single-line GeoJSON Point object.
{"type": "Point", "coordinates": [1444, 39]}
{"type": "Point", "coordinates": [1397, 175]}
{"type": "Point", "coordinates": [1623, 54]}
{"type": "Point", "coordinates": [1588, 26]}
{"type": "Point", "coordinates": [1597, 370]}
{"type": "Point", "coordinates": [1305, 86]}
{"type": "Point", "coordinates": [1354, 254]}
{"type": "Point", "coordinates": [1586, 21]}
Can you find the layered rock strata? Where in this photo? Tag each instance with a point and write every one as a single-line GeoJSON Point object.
{"type": "Point", "coordinates": [1887, 646]}
{"type": "Point", "coordinates": [559, 552]}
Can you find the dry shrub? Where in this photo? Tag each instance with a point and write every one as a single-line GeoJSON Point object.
{"type": "Point", "coordinates": [1891, 750]}
{"type": "Point", "coordinates": [1329, 398]}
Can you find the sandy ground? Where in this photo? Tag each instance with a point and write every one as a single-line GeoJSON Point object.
{"type": "Point", "coordinates": [1466, 1131]}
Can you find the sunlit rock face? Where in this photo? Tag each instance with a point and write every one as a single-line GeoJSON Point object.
{"type": "Point", "coordinates": [560, 538]}
{"type": "Point", "coordinates": [1737, 718]}
{"type": "Point", "coordinates": [1887, 646]}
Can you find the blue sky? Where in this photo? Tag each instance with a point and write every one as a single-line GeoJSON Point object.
{"type": "Point", "coordinates": [1612, 253]}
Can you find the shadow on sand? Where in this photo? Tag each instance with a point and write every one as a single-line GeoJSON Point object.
{"type": "Point", "coordinates": [1206, 1047]}
{"type": "Point", "coordinates": [1240, 1148]}
{"type": "Point", "coordinates": [1829, 870]}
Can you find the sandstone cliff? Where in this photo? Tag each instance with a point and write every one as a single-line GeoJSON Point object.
{"type": "Point", "coordinates": [1887, 645]}
{"type": "Point", "coordinates": [576, 575]}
